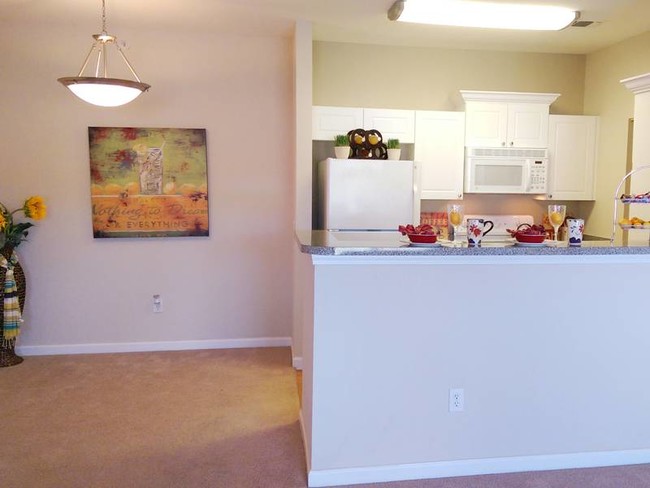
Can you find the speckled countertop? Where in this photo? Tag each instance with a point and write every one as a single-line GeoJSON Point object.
{"type": "Point", "coordinates": [326, 243]}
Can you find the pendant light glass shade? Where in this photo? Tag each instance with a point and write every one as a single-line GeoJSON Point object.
{"type": "Point", "coordinates": [102, 90]}
{"type": "Point", "coordinates": [491, 15]}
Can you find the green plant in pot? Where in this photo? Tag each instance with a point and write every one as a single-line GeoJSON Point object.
{"type": "Point", "coordinates": [394, 150]}
{"type": "Point", "coordinates": [341, 146]}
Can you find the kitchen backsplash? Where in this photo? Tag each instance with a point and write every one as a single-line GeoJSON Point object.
{"type": "Point", "coordinates": [508, 204]}
{"type": "Point", "coordinates": [436, 219]}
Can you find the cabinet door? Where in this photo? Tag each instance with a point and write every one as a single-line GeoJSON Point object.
{"type": "Point", "coordinates": [572, 156]}
{"type": "Point", "coordinates": [327, 122]}
{"type": "Point", "coordinates": [486, 125]}
{"type": "Point", "coordinates": [527, 125]}
{"type": "Point", "coordinates": [440, 153]}
{"type": "Point", "coordinates": [393, 124]}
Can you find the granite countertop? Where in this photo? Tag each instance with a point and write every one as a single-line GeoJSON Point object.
{"type": "Point", "coordinates": [327, 243]}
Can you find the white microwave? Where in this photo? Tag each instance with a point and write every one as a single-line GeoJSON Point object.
{"type": "Point", "coordinates": [506, 170]}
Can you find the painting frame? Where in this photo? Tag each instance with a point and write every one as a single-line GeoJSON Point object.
{"type": "Point", "coordinates": [148, 182]}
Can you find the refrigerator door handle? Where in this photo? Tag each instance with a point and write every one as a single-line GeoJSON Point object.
{"type": "Point", "coordinates": [416, 192]}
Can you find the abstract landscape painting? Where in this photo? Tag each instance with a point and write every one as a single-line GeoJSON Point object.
{"type": "Point", "coordinates": [148, 182]}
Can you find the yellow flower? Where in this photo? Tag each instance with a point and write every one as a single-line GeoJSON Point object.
{"type": "Point", "coordinates": [3, 221]}
{"type": "Point", "coordinates": [35, 208]}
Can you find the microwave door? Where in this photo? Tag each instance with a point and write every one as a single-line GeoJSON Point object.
{"type": "Point", "coordinates": [499, 176]}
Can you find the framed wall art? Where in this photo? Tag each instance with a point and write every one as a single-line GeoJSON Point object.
{"type": "Point", "coordinates": [148, 182]}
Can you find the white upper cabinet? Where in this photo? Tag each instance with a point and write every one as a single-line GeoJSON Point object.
{"type": "Point", "coordinates": [440, 152]}
{"type": "Point", "coordinates": [572, 157]}
{"type": "Point", "coordinates": [328, 122]}
{"type": "Point", "coordinates": [505, 119]}
{"type": "Point", "coordinates": [486, 124]}
{"type": "Point", "coordinates": [393, 124]}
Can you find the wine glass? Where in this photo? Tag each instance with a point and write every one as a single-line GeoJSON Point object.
{"type": "Point", "coordinates": [556, 214]}
{"type": "Point", "coordinates": [455, 215]}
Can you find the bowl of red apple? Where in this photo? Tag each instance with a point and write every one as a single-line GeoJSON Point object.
{"type": "Point", "coordinates": [421, 234]}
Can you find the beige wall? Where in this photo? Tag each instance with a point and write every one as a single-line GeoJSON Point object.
{"type": "Point", "coordinates": [235, 284]}
{"type": "Point", "coordinates": [605, 96]}
{"type": "Point", "coordinates": [430, 79]}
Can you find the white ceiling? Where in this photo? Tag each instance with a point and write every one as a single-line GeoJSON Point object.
{"type": "Point", "coordinates": [338, 20]}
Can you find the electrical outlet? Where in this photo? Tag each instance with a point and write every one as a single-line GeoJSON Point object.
{"type": "Point", "coordinates": [456, 400]}
{"type": "Point", "coordinates": [157, 304]}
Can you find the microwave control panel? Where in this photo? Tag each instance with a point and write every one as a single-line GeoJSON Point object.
{"type": "Point", "coordinates": [538, 176]}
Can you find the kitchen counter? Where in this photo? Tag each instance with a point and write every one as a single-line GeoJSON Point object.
{"type": "Point", "coordinates": [325, 243]}
{"type": "Point", "coordinates": [544, 342]}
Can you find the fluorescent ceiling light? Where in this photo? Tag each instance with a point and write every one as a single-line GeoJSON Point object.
{"type": "Point", "coordinates": [465, 13]}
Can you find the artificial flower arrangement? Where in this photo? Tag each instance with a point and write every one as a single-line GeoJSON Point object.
{"type": "Point", "coordinates": [13, 233]}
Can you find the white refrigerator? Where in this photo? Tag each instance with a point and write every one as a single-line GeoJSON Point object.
{"type": "Point", "coordinates": [368, 194]}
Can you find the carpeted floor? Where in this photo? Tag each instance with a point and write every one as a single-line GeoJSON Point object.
{"type": "Point", "coordinates": [219, 418]}
{"type": "Point", "coordinates": [216, 418]}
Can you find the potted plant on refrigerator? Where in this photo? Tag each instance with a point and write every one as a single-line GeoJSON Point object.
{"type": "Point", "coordinates": [341, 146]}
{"type": "Point", "coordinates": [394, 150]}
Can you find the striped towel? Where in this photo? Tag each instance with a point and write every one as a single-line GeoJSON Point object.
{"type": "Point", "coordinates": [11, 316]}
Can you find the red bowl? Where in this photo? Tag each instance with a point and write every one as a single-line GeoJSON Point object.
{"type": "Point", "coordinates": [423, 238]}
{"type": "Point", "coordinates": [530, 238]}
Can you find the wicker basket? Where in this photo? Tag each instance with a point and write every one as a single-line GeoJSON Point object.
{"type": "Point", "coordinates": [8, 355]}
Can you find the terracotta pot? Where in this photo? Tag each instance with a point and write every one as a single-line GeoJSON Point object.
{"type": "Point", "coordinates": [8, 356]}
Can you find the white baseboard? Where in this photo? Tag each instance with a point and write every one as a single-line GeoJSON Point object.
{"type": "Point", "coordinates": [296, 361]}
{"type": "Point", "coordinates": [353, 476]}
{"type": "Point", "coordinates": [152, 346]}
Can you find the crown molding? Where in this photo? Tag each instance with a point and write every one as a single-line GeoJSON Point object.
{"type": "Point", "coordinates": [510, 97]}
{"type": "Point", "coordinates": [637, 84]}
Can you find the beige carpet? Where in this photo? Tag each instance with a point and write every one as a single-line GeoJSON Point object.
{"type": "Point", "coordinates": [172, 419]}
{"type": "Point", "coordinates": [222, 419]}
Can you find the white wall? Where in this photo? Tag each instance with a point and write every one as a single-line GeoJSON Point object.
{"type": "Point", "coordinates": [237, 283]}
{"type": "Point", "coordinates": [542, 374]}
{"type": "Point", "coordinates": [303, 170]}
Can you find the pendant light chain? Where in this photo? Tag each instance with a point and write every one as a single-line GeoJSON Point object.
{"type": "Point", "coordinates": [104, 17]}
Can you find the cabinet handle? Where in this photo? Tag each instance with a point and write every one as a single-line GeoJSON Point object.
{"type": "Point", "coordinates": [503, 144]}
{"type": "Point", "coordinates": [550, 196]}
{"type": "Point", "coordinates": [512, 144]}
{"type": "Point", "coordinates": [460, 195]}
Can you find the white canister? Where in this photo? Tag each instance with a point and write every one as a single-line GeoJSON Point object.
{"type": "Point", "coordinates": [575, 229]}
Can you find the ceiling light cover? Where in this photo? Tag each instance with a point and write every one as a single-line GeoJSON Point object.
{"type": "Point", "coordinates": [102, 90]}
{"type": "Point", "coordinates": [465, 13]}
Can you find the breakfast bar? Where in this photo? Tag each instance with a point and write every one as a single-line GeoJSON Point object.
{"type": "Point", "coordinates": [425, 362]}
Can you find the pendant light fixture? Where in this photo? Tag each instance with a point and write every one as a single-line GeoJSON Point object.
{"type": "Point", "coordinates": [100, 89]}
{"type": "Point", "coordinates": [490, 15]}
